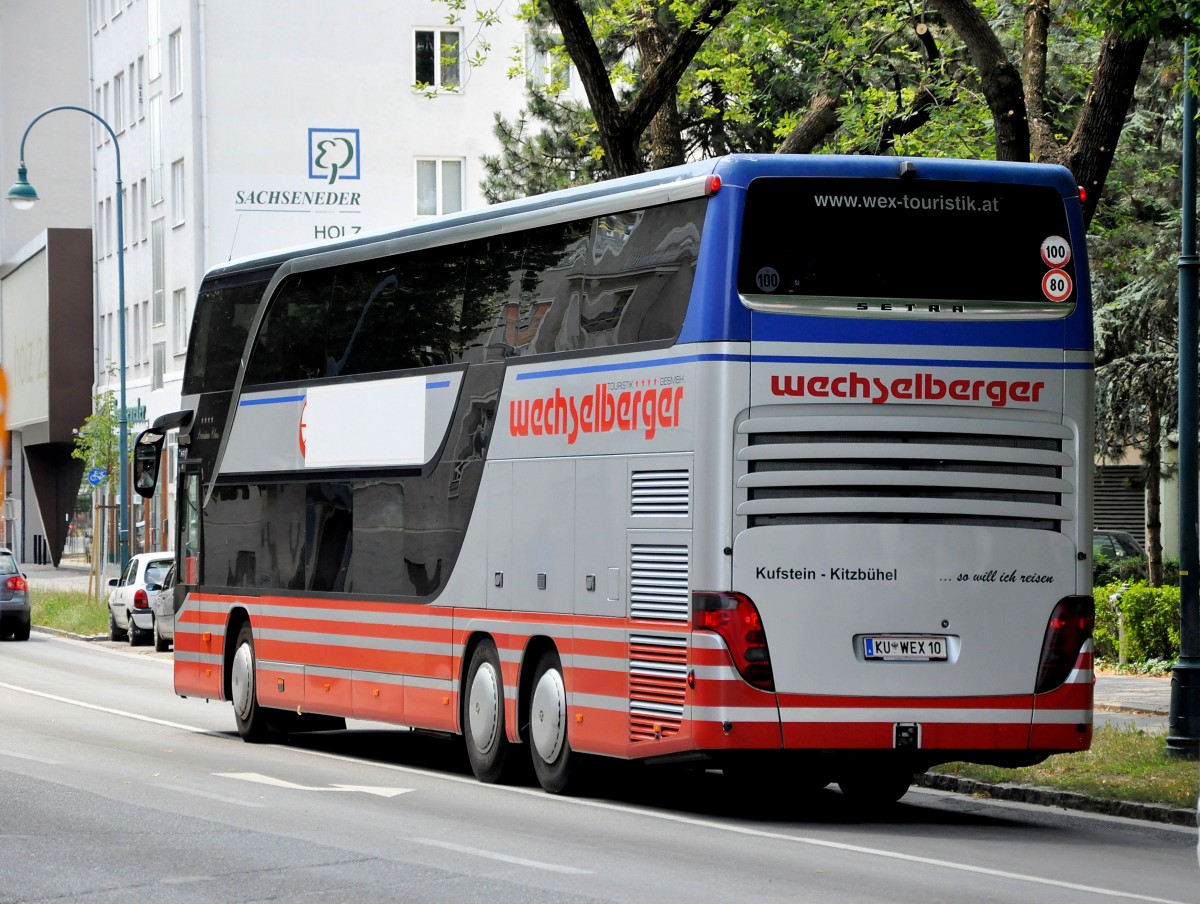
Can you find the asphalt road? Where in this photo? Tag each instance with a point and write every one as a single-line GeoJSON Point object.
{"type": "Point", "coordinates": [113, 788]}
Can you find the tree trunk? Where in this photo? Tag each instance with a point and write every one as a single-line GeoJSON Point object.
{"type": "Point", "coordinates": [666, 129]}
{"type": "Point", "coordinates": [999, 78]}
{"type": "Point", "coordinates": [1089, 153]}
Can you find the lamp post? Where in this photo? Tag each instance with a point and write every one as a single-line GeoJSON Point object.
{"type": "Point", "coordinates": [22, 196]}
{"type": "Point", "coordinates": [1183, 725]}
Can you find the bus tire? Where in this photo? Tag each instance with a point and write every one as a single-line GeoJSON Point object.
{"type": "Point", "coordinates": [483, 715]}
{"type": "Point", "coordinates": [553, 761]}
{"type": "Point", "coordinates": [878, 787]}
{"type": "Point", "coordinates": [252, 721]}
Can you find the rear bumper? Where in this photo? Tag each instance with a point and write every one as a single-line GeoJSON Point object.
{"type": "Point", "coordinates": [728, 714]}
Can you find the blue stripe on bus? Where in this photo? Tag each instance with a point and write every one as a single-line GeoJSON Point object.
{"type": "Point", "coordinates": [275, 400]}
{"type": "Point", "coordinates": [271, 401]}
{"type": "Point", "coordinates": [806, 359]}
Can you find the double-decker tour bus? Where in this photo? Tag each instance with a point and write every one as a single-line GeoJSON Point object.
{"type": "Point", "coordinates": [766, 461]}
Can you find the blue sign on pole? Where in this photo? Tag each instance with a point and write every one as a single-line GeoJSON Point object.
{"type": "Point", "coordinates": [96, 476]}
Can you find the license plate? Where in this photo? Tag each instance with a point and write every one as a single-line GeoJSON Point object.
{"type": "Point", "coordinates": [911, 647]}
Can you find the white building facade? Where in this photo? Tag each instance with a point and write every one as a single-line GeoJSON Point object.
{"type": "Point", "coordinates": [249, 127]}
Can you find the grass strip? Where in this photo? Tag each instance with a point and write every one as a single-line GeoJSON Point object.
{"type": "Point", "coordinates": [69, 610]}
{"type": "Point", "coordinates": [1122, 764]}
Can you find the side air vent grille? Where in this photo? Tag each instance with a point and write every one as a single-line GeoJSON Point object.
{"type": "Point", "coordinates": [657, 686]}
{"type": "Point", "coordinates": [658, 583]}
{"type": "Point", "coordinates": [660, 493]}
{"type": "Point", "coordinates": [935, 470]}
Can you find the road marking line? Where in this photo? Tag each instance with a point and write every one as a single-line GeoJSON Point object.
{"type": "Point", "coordinates": [32, 759]}
{"type": "Point", "coordinates": [114, 712]}
{"type": "Point", "coordinates": [638, 811]}
{"type": "Point", "coordinates": [261, 779]}
{"type": "Point", "coordinates": [503, 858]}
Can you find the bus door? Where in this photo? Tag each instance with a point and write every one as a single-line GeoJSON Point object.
{"type": "Point", "coordinates": [191, 649]}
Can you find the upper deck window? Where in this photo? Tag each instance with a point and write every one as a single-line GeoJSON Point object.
{"type": "Point", "coordinates": [904, 247]}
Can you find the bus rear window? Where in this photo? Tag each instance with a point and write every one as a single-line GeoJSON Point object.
{"type": "Point", "coordinates": [841, 246]}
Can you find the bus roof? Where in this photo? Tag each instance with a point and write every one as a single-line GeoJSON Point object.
{"type": "Point", "coordinates": [736, 170]}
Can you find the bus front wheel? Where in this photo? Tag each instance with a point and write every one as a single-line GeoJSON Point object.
{"type": "Point", "coordinates": [553, 761]}
{"type": "Point", "coordinates": [483, 718]}
{"type": "Point", "coordinates": [251, 718]}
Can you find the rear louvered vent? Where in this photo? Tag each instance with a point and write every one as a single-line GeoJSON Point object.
{"type": "Point", "coordinates": [934, 470]}
{"type": "Point", "coordinates": [657, 685]}
{"type": "Point", "coordinates": [658, 582]}
{"type": "Point", "coordinates": [660, 493]}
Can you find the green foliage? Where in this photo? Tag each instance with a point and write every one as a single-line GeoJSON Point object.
{"type": "Point", "coordinates": [1148, 18]}
{"type": "Point", "coordinates": [1151, 621]}
{"type": "Point", "coordinates": [96, 442]}
{"type": "Point", "coordinates": [1129, 569]}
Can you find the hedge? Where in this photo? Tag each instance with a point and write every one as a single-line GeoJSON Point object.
{"type": "Point", "coordinates": [1151, 622]}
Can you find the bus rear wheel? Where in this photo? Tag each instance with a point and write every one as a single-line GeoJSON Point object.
{"type": "Point", "coordinates": [252, 721]}
{"type": "Point", "coordinates": [483, 715]}
{"type": "Point", "coordinates": [553, 761]}
{"type": "Point", "coordinates": [876, 787]}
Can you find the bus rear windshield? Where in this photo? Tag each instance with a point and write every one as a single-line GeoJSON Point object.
{"type": "Point", "coordinates": [821, 245]}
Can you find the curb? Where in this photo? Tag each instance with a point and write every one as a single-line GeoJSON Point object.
{"type": "Point", "coordinates": [1067, 800]}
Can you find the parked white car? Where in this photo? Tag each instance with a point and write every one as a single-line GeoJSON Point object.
{"type": "Point", "coordinates": [163, 606]}
{"type": "Point", "coordinates": [129, 612]}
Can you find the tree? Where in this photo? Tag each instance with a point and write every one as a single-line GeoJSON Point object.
{"type": "Point", "coordinates": [96, 442]}
{"type": "Point", "coordinates": [1037, 112]}
{"type": "Point", "coordinates": [1135, 249]}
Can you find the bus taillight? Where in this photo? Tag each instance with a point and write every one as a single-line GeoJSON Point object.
{"type": "Point", "coordinates": [1069, 628]}
{"type": "Point", "coordinates": [735, 618]}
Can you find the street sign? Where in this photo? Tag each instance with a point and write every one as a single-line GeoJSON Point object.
{"type": "Point", "coordinates": [96, 476]}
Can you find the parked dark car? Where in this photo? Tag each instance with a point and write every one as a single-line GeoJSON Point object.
{"type": "Point", "coordinates": [1116, 544]}
{"type": "Point", "coordinates": [14, 599]}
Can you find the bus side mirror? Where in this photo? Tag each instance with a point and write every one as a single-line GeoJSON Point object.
{"type": "Point", "coordinates": [147, 452]}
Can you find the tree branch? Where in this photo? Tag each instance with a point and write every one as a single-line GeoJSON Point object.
{"type": "Point", "coordinates": [999, 78]}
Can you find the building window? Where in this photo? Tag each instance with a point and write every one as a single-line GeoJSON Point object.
{"type": "Point", "coordinates": [545, 65]}
{"type": "Point", "coordinates": [180, 314]}
{"type": "Point", "coordinates": [156, 150]}
{"type": "Point", "coordinates": [439, 186]}
{"type": "Point", "coordinates": [158, 267]}
{"type": "Point", "coordinates": [110, 230]}
{"type": "Point", "coordinates": [118, 120]}
{"type": "Point", "coordinates": [160, 365]}
{"type": "Point", "coordinates": [96, 127]}
{"type": "Point", "coordinates": [141, 93]}
{"type": "Point", "coordinates": [154, 39]}
{"type": "Point", "coordinates": [177, 193]}
{"type": "Point", "coordinates": [175, 63]}
{"type": "Point", "coordinates": [436, 58]}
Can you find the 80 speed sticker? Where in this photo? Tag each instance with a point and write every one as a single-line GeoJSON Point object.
{"type": "Point", "coordinates": [1056, 285]}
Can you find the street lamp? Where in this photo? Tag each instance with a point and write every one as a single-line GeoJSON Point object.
{"type": "Point", "coordinates": [22, 196]}
{"type": "Point", "coordinates": [1183, 724]}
